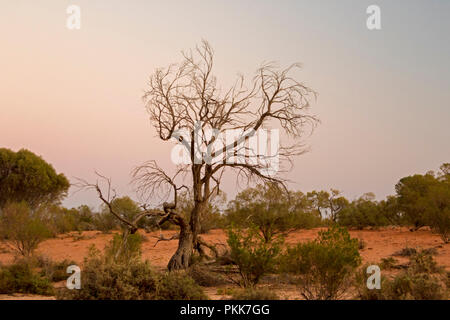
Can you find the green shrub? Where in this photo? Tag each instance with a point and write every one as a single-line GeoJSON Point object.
{"type": "Point", "coordinates": [363, 213]}
{"type": "Point", "coordinates": [22, 229]}
{"type": "Point", "coordinates": [20, 278]}
{"type": "Point", "coordinates": [124, 251]}
{"type": "Point", "coordinates": [105, 222]}
{"type": "Point", "coordinates": [63, 220]}
{"type": "Point", "coordinates": [254, 294]}
{"type": "Point", "coordinates": [388, 263]}
{"type": "Point", "coordinates": [272, 210]}
{"type": "Point", "coordinates": [423, 262]}
{"type": "Point", "coordinates": [324, 266]}
{"type": "Point", "coordinates": [178, 285]}
{"type": "Point", "coordinates": [252, 254]}
{"type": "Point", "coordinates": [407, 286]}
{"type": "Point", "coordinates": [405, 252]}
{"type": "Point", "coordinates": [104, 279]}
{"type": "Point", "coordinates": [204, 277]}
{"type": "Point", "coordinates": [423, 280]}
{"type": "Point", "coordinates": [412, 286]}
{"type": "Point", "coordinates": [54, 271]}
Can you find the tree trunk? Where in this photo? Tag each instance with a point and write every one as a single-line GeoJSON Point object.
{"type": "Point", "coordinates": [188, 239]}
{"type": "Point", "coordinates": [181, 258]}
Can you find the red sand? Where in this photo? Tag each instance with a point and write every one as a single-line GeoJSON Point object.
{"type": "Point", "coordinates": [378, 244]}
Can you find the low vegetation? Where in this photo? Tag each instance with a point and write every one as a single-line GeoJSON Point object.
{"type": "Point", "coordinates": [21, 278]}
{"type": "Point", "coordinates": [253, 254]}
{"type": "Point", "coordinates": [257, 222]}
{"type": "Point", "coordinates": [324, 266]}
{"type": "Point", "coordinates": [421, 280]}
{"type": "Point", "coordinates": [120, 274]}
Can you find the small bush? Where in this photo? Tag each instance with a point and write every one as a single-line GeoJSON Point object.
{"type": "Point", "coordinates": [20, 278]}
{"type": "Point", "coordinates": [253, 255]}
{"type": "Point", "coordinates": [411, 286]}
{"type": "Point", "coordinates": [254, 294]}
{"type": "Point", "coordinates": [104, 279]}
{"type": "Point", "coordinates": [54, 271]}
{"type": "Point", "coordinates": [423, 280]}
{"type": "Point", "coordinates": [179, 286]}
{"type": "Point", "coordinates": [204, 277]}
{"type": "Point", "coordinates": [22, 229]}
{"type": "Point", "coordinates": [124, 251]}
{"type": "Point", "coordinates": [405, 252]}
{"type": "Point", "coordinates": [324, 266]}
{"type": "Point", "coordinates": [423, 262]}
{"type": "Point", "coordinates": [388, 263]}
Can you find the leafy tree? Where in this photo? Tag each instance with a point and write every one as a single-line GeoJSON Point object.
{"type": "Point", "coordinates": [125, 207]}
{"type": "Point", "coordinates": [271, 210]}
{"type": "Point", "coordinates": [410, 190]}
{"type": "Point", "coordinates": [425, 200]}
{"type": "Point", "coordinates": [25, 176]}
{"type": "Point", "coordinates": [364, 212]}
{"type": "Point", "coordinates": [437, 209]}
{"type": "Point", "coordinates": [327, 203]}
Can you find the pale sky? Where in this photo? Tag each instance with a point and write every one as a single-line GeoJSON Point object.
{"type": "Point", "coordinates": [74, 96]}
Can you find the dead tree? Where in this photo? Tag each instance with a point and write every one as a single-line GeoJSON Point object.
{"type": "Point", "coordinates": [186, 104]}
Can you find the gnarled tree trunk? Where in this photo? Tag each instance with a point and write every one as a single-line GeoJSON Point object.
{"type": "Point", "coordinates": [187, 242]}
{"type": "Point", "coordinates": [182, 257]}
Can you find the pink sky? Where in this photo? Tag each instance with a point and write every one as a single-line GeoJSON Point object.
{"type": "Point", "coordinates": [74, 97]}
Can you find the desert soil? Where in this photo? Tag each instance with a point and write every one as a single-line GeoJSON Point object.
{"type": "Point", "coordinates": [378, 244]}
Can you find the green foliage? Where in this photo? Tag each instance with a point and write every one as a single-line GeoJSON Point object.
{"type": "Point", "coordinates": [254, 294]}
{"type": "Point", "coordinates": [423, 262]}
{"type": "Point", "coordinates": [104, 279]}
{"type": "Point", "coordinates": [437, 209]}
{"type": "Point", "coordinates": [53, 271]}
{"type": "Point", "coordinates": [252, 254]}
{"type": "Point", "coordinates": [124, 251]}
{"type": "Point", "coordinates": [25, 176]}
{"type": "Point", "coordinates": [324, 266]}
{"type": "Point", "coordinates": [405, 252]}
{"type": "Point", "coordinates": [177, 285]}
{"type": "Point", "coordinates": [425, 200]}
{"type": "Point", "coordinates": [20, 278]}
{"type": "Point", "coordinates": [105, 222]}
{"type": "Point", "coordinates": [271, 210]}
{"type": "Point", "coordinates": [327, 203]}
{"type": "Point", "coordinates": [22, 228]}
{"type": "Point", "coordinates": [210, 217]}
{"type": "Point", "coordinates": [63, 220]}
{"type": "Point", "coordinates": [422, 280]}
{"type": "Point", "coordinates": [364, 212]}
{"type": "Point", "coordinates": [204, 277]}
{"type": "Point", "coordinates": [388, 263]}
{"type": "Point", "coordinates": [411, 286]}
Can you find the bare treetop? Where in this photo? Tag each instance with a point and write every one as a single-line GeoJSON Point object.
{"type": "Point", "coordinates": [184, 101]}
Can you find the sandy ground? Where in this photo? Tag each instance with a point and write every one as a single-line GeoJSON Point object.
{"type": "Point", "coordinates": [378, 244]}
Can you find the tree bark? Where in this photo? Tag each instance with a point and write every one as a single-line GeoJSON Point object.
{"type": "Point", "coordinates": [188, 239]}
{"type": "Point", "coordinates": [182, 257]}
